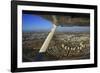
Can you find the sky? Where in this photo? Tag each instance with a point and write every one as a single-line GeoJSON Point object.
{"type": "Point", "coordinates": [35, 23]}
{"type": "Point", "coordinates": [31, 22]}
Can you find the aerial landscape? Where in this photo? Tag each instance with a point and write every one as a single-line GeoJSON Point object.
{"type": "Point", "coordinates": [70, 39]}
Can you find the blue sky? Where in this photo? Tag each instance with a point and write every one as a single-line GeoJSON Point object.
{"type": "Point", "coordinates": [36, 23]}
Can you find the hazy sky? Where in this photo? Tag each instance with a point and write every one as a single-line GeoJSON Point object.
{"type": "Point", "coordinates": [36, 23]}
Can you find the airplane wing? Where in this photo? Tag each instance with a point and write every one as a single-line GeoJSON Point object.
{"type": "Point", "coordinates": [70, 20]}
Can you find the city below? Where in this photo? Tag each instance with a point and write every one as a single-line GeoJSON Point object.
{"type": "Point", "coordinates": [63, 46]}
